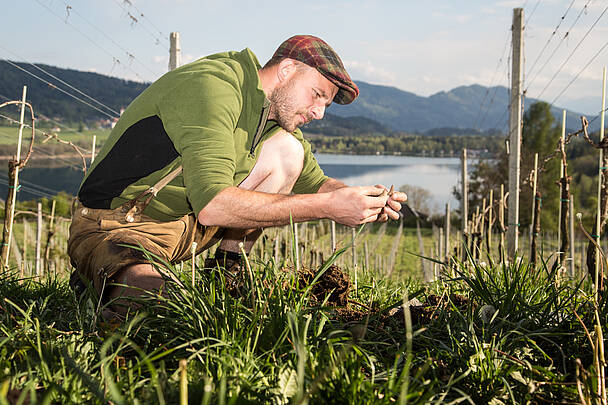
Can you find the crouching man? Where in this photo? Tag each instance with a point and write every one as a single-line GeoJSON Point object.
{"type": "Point", "coordinates": [212, 152]}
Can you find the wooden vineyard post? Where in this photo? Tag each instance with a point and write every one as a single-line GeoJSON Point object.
{"type": "Point", "coordinates": [13, 186]}
{"type": "Point", "coordinates": [395, 248]}
{"type": "Point", "coordinates": [183, 382]}
{"type": "Point", "coordinates": [482, 231]}
{"type": "Point", "coordinates": [515, 131]}
{"type": "Point", "coordinates": [536, 201]}
{"type": "Point", "coordinates": [564, 182]}
{"type": "Point", "coordinates": [354, 249]}
{"type": "Point", "coordinates": [93, 149]}
{"type": "Point", "coordinates": [50, 234]}
{"type": "Point", "coordinates": [561, 174]}
{"type": "Point", "coordinates": [25, 226]}
{"type": "Point", "coordinates": [464, 203]}
{"type": "Point", "coordinates": [296, 247]}
{"type": "Point", "coordinates": [572, 238]}
{"type": "Point", "coordinates": [366, 253]}
{"type": "Point", "coordinates": [446, 226]}
{"type": "Point", "coordinates": [490, 223]}
{"type": "Point", "coordinates": [421, 247]}
{"type": "Point", "coordinates": [535, 229]}
{"type": "Point", "coordinates": [441, 252]}
{"type": "Point", "coordinates": [193, 253]}
{"type": "Point", "coordinates": [276, 247]}
{"type": "Point", "coordinates": [501, 222]}
{"type": "Point", "coordinates": [38, 240]}
{"type": "Point", "coordinates": [600, 199]}
{"type": "Point", "coordinates": [332, 230]}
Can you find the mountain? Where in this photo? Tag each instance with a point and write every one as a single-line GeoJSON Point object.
{"type": "Point", "coordinates": [457, 108]}
{"type": "Point", "coordinates": [379, 109]}
{"type": "Point", "coordinates": [333, 125]}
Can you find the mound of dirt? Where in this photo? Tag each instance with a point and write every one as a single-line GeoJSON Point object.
{"type": "Point", "coordinates": [333, 282]}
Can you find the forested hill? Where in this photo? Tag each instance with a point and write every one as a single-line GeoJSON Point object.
{"type": "Point", "coordinates": [379, 109]}
{"type": "Point", "coordinates": [51, 102]}
{"type": "Point", "coordinates": [457, 108]}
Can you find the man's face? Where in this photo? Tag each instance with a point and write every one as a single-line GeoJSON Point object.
{"type": "Point", "coordinates": [301, 98]}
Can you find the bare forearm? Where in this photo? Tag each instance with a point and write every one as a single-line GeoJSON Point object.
{"type": "Point", "coordinates": [238, 208]}
{"type": "Point", "coordinates": [331, 184]}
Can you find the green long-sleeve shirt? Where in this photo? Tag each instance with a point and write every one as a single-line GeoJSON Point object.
{"type": "Point", "coordinates": [208, 116]}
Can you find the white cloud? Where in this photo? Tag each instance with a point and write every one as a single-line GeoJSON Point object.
{"type": "Point", "coordinates": [368, 72]}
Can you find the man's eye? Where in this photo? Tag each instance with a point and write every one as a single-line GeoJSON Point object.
{"type": "Point", "coordinates": [317, 94]}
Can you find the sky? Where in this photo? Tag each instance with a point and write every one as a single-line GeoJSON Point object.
{"type": "Point", "coordinates": [420, 47]}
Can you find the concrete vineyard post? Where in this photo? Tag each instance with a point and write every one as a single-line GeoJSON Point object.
{"type": "Point", "coordinates": [175, 51]}
{"type": "Point", "coordinates": [515, 131]}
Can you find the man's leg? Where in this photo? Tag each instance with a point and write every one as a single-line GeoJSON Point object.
{"type": "Point", "coordinates": [276, 171]}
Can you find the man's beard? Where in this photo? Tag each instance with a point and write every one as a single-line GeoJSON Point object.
{"type": "Point", "coordinates": [283, 109]}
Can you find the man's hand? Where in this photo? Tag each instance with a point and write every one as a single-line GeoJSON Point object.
{"type": "Point", "coordinates": [354, 206]}
{"type": "Point", "coordinates": [393, 204]}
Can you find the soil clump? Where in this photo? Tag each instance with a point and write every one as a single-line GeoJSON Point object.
{"type": "Point", "coordinates": [333, 281]}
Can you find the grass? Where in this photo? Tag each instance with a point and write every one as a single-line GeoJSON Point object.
{"type": "Point", "coordinates": [493, 334]}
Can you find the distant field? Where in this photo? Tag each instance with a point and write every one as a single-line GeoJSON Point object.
{"type": "Point", "coordinates": [9, 135]}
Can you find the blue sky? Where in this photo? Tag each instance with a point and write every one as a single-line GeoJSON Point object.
{"type": "Point", "coordinates": [421, 47]}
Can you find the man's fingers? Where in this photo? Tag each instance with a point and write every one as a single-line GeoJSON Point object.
{"type": "Point", "coordinates": [394, 205]}
{"type": "Point", "coordinates": [391, 214]}
{"type": "Point", "coordinates": [374, 191]}
{"type": "Point", "coordinates": [399, 196]}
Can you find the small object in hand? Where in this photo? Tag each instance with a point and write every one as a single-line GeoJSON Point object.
{"type": "Point", "coordinates": [391, 191]}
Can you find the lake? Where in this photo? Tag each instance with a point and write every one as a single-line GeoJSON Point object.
{"type": "Point", "coordinates": [437, 175]}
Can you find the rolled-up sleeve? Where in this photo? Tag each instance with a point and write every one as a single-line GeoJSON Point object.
{"type": "Point", "coordinates": [200, 116]}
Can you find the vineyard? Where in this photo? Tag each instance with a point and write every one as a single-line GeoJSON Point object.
{"type": "Point", "coordinates": [500, 300]}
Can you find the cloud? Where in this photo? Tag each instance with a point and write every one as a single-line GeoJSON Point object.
{"type": "Point", "coordinates": [368, 72]}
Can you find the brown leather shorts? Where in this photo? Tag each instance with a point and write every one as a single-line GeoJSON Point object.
{"type": "Point", "coordinates": [97, 236]}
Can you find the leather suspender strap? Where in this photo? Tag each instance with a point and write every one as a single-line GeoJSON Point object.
{"type": "Point", "coordinates": [132, 206]}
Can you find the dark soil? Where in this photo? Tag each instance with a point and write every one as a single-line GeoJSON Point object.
{"type": "Point", "coordinates": [333, 284]}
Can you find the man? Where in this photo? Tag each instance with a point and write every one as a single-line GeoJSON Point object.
{"type": "Point", "coordinates": [211, 152]}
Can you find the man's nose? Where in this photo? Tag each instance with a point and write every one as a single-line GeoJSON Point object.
{"type": "Point", "coordinates": [318, 112]}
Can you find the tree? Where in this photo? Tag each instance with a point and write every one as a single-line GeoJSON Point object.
{"type": "Point", "coordinates": [539, 135]}
{"type": "Point", "coordinates": [419, 199]}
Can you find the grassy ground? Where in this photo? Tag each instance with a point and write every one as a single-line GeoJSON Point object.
{"type": "Point", "coordinates": [494, 334]}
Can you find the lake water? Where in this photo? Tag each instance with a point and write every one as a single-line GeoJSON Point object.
{"type": "Point", "coordinates": [437, 175]}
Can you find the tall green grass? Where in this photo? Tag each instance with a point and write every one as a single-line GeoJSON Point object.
{"type": "Point", "coordinates": [495, 334]}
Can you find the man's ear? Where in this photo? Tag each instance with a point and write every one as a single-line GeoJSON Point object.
{"type": "Point", "coordinates": [286, 69]}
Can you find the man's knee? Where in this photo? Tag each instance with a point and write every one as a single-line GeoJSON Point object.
{"type": "Point", "coordinates": [288, 154]}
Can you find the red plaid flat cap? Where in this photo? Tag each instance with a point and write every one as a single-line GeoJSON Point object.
{"type": "Point", "coordinates": [318, 54]}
